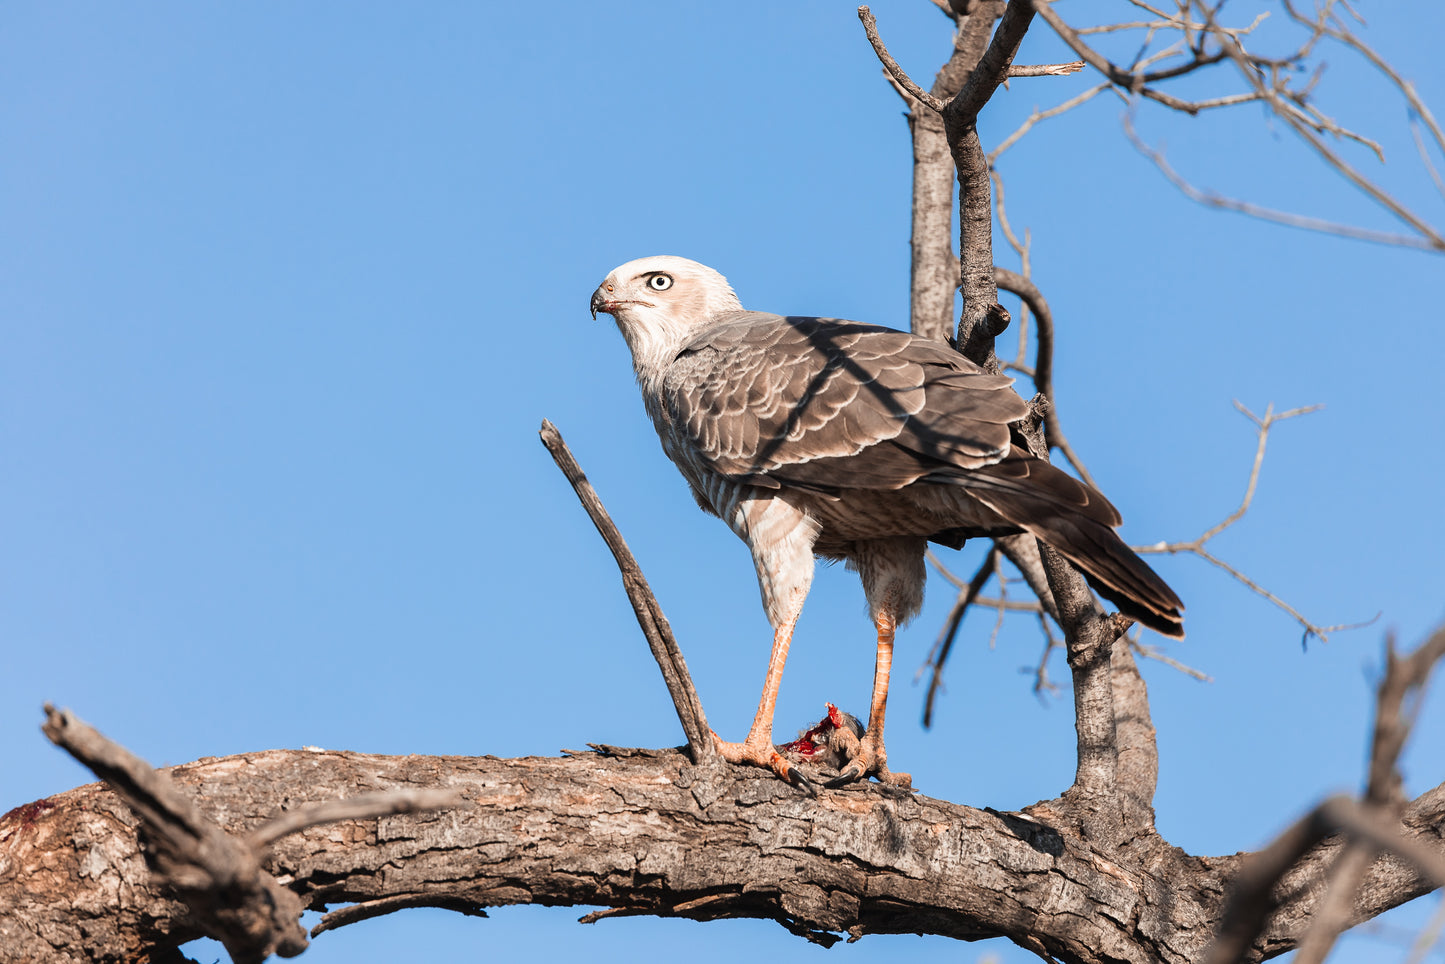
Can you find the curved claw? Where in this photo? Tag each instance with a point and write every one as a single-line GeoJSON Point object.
{"type": "Point", "coordinates": [764, 755]}
{"type": "Point", "coordinates": [853, 771]}
{"type": "Point", "coordinates": [796, 778]}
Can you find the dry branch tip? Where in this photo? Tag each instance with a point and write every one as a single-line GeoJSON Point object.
{"type": "Point", "coordinates": [645, 606]}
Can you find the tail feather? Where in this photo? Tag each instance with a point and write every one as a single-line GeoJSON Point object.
{"type": "Point", "coordinates": [1077, 521]}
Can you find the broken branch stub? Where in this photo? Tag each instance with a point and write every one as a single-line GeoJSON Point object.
{"type": "Point", "coordinates": [219, 876]}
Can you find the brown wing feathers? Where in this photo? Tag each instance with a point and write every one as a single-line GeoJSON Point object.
{"type": "Point", "coordinates": [1079, 522]}
{"type": "Point", "coordinates": [827, 406]}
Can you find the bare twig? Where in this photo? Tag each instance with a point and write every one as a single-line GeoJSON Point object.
{"type": "Point", "coordinates": [1264, 425]}
{"type": "Point", "coordinates": [1002, 276]}
{"type": "Point", "coordinates": [1043, 371]}
{"type": "Point", "coordinates": [1428, 937]}
{"type": "Point", "coordinates": [1196, 546]}
{"type": "Point", "coordinates": [1167, 22]}
{"type": "Point", "coordinates": [1272, 80]}
{"type": "Point", "coordinates": [1003, 605]}
{"type": "Point", "coordinates": [1040, 115]}
{"type": "Point", "coordinates": [1418, 107]}
{"type": "Point", "coordinates": [870, 29]}
{"type": "Point", "coordinates": [1045, 70]}
{"type": "Point", "coordinates": [1154, 653]}
{"type": "Point", "coordinates": [944, 645]}
{"type": "Point", "coordinates": [1425, 155]}
{"type": "Point", "coordinates": [1127, 80]}
{"type": "Point", "coordinates": [644, 605]}
{"type": "Point", "coordinates": [1308, 123]}
{"type": "Point", "coordinates": [1042, 684]}
{"type": "Point", "coordinates": [366, 910]}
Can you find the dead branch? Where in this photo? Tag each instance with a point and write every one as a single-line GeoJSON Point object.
{"type": "Point", "coordinates": [1136, 83]}
{"type": "Point", "coordinates": [644, 605]}
{"type": "Point", "coordinates": [1043, 370]}
{"type": "Point", "coordinates": [1043, 685]}
{"type": "Point", "coordinates": [370, 909]}
{"type": "Point", "coordinates": [219, 875]}
{"type": "Point", "coordinates": [1270, 80]}
{"type": "Point", "coordinates": [364, 807]}
{"type": "Point", "coordinates": [1046, 70]}
{"type": "Point", "coordinates": [1309, 124]}
{"type": "Point", "coordinates": [983, 318]}
{"type": "Point", "coordinates": [1154, 653]}
{"type": "Point", "coordinates": [941, 648]}
{"type": "Point", "coordinates": [648, 833]}
{"type": "Point", "coordinates": [933, 266]}
{"type": "Point", "coordinates": [1042, 115]}
{"type": "Point", "coordinates": [1323, 25]}
{"type": "Point", "coordinates": [1369, 827]}
{"type": "Point", "coordinates": [1197, 545]}
{"type": "Point", "coordinates": [870, 29]}
{"type": "Point", "coordinates": [1304, 222]}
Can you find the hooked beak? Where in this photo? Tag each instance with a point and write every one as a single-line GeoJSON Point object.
{"type": "Point", "coordinates": [608, 306]}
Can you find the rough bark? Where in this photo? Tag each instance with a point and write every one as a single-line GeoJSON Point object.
{"type": "Point", "coordinates": [935, 267]}
{"type": "Point", "coordinates": [649, 834]}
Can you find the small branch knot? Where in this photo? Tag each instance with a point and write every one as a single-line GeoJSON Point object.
{"type": "Point", "coordinates": [996, 320]}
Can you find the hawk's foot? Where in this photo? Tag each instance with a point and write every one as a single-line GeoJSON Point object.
{"type": "Point", "coordinates": [869, 759]}
{"type": "Point", "coordinates": [762, 754]}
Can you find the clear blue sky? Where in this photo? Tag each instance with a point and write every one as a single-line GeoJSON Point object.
{"type": "Point", "coordinates": [286, 290]}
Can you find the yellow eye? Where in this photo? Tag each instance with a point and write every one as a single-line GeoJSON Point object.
{"type": "Point", "coordinates": [660, 282]}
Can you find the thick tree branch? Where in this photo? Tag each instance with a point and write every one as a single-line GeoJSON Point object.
{"type": "Point", "coordinates": [983, 318]}
{"type": "Point", "coordinates": [1137, 773]}
{"type": "Point", "coordinates": [935, 268]}
{"type": "Point", "coordinates": [219, 878]}
{"type": "Point", "coordinates": [649, 834]}
{"type": "Point", "coordinates": [217, 875]}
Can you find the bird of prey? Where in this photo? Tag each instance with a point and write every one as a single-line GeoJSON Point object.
{"type": "Point", "coordinates": [820, 437]}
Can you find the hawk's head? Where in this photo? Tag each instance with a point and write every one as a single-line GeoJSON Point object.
{"type": "Point", "coordinates": [657, 302]}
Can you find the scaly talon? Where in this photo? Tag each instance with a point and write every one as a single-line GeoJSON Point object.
{"type": "Point", "coordinates": [869, 759]}
{"type": "Point", "coordinates": [793, 775]}
{"type": "Point", "coordinates": [761, 754]}
{"type": "Point", "coordinates": [851, 772]}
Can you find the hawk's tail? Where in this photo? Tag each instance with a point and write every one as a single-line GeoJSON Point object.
{"type": "Point", "coordinates": [1079, 522]}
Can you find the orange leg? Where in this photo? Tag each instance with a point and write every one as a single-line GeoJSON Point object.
{"type": "Point", "coordinates": [872, 758]}
{"type": "Point", "coordinates": [758, 749]}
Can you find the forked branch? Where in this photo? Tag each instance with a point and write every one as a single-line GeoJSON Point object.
{"type": "Point", "coordinates": [1197, 546]}
{"type": "Point", "coordinates": [220, 875]}
{"type": "Point", "coordinates": [1369, 826]}
{"type": "Point", "coordinates": [1272, 80]}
